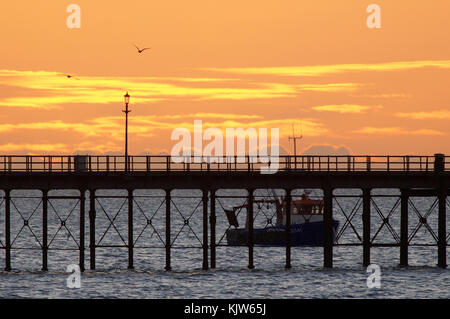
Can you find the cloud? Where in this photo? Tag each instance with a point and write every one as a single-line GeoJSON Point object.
{"type": "Point", "coordinates": [319, 70]}
{"type": "Point", "coordinates": [435, 115]}
{"type": "Point", "coordinates": [331, 87]}
{"type": "Point", "coordinates": [345, 108]}
{"type": "Point", "coordinates": [32, 148]}
{"type": "Point", "coordinates": [59, 90]}
{"type": "Point", "coordinates": [201, 115]}
{"type": "Point", "coordinates": [383, 96]}
{"type": "Point", "coordinates": [326, 149]}
{"type": "Point", "coordinates": [397, 131]}
{"type": "Point", "coordinates": [111, 127]}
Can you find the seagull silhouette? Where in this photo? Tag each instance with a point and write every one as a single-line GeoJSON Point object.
{"type": "Point", "coordinates": [141, 50]}
{"type": "Point", "coordinates": [69, 76]}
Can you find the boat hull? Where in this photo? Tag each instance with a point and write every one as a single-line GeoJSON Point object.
{"type": "Point", "coordinates": [309, 234]}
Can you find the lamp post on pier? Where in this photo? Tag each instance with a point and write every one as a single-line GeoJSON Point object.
{"type": "Point", "coordinates": [126, 111]}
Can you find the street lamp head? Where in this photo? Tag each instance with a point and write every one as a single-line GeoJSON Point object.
{"type": "Point", "coordinates": [127, 98]}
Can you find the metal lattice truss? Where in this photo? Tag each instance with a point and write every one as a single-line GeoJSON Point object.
{"type": "Point", "coordinates": [63, 223]}
{"type": "Point", "coordinates": [348, 219]}
{"type": "Point", "coordinates": [423, 220]}
{"type": "Point", "coordinates": [26, 223]}
{"type": "Point", "coordinates": [111, 224]}
{"type": "Point", "coordinates": [186, 219]}
{"type": "Point", "coordinates": [386, 220]}
{"type": "Point", "coordinates": [149, 224]}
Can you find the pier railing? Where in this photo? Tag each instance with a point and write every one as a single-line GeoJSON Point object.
{"type": "Point", "coordinates": [165, 163]}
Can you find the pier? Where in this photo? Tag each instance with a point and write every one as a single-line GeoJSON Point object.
{"type": "Point", "coordinates": [412, 176]}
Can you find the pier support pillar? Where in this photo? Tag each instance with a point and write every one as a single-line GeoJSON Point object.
{"type": "Point", "coordinates": [439, 167]}
{"type": "Point", "coordinates": [130, 229]}
{"type": "Point", "coordinates": [288, 228]}
{"type": "Point", "coordinates": [92, 215]}
{"type": "Point", "coordinates": [7, 230]}
{"type": "Point", "coordinates": [366, 226]}
{"type": "Point", "coordinates": [82, 225]}
{"type": "Point", "coordinates": [442, 231]}
{"type": "Point", "coordinates": [328, 228]}
{"type": "Point", "coordinates": [250, 229]}
{"type": "Point", "coordinates": [404, 198]}
{"type": "Point", "coordinates": [205, 230]}
{"type": "Point", "coordinates": [168, 239]}
{"type": "Point", "coordinates": [212, 220]}
{"type": "Point", "coordinates": [44, 230]}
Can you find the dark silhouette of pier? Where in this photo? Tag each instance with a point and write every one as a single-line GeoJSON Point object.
{"type": "Point", "coordinates": [414, 176]}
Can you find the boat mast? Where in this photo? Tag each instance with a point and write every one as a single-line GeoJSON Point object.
{"type": "Point", "coordinates": [278, 207]}
{"type": "Point", "coordinates": [295, 138]}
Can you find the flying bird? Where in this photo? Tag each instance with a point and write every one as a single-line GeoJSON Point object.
{"type": "Point", "coordinates": [141, 50]}
{"type": "Point", "coordinates": [69, 76]}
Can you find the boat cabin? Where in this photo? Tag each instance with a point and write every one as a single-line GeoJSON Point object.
{"type": "Point", "coordinates": [303, 211]}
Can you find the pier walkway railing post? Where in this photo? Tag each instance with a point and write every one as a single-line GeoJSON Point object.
{"type": "Point", "coordinates": [366, 226]}
{"type": "Point", "coordinates": [7, 230]}
{"type": "Point", "coordinates": [328, 228]}
{"type": "Point", "coordinates": [92, 216]}
{"type": "Point", "coordinates": [212, 219]}
{"type": "Point", "coordinates": [130, 229]}
{"type": "Point", "coordinates": [404, 199]}
{"type": "Point", "coordinates": [168, 236]}
{"type": "Point", "coordinates": [288, 228]}
{"type": "Point", "coordinates": [250, 244]}
{"type": "Point", "coordinates": [82, 225]}
{"type": "Point", "coordinates": [44, 230]}
{"type": "Point", "coordinates": [439, 167]}
{"type": "Point", "coordinates": [205, 230]}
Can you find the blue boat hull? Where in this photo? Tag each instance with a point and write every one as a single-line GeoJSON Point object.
{"type": "Point", "coordinates": [309, 234]}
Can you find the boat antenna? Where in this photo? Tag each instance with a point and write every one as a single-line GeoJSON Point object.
{"type": "Point", "coordinates": [295, 138]}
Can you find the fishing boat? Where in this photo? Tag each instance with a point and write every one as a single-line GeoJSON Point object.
{"type": "Point", "coordinates": [306, 223]}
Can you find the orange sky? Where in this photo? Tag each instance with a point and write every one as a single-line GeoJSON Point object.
{"type": "Point", "coordinates": [229, 63]}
